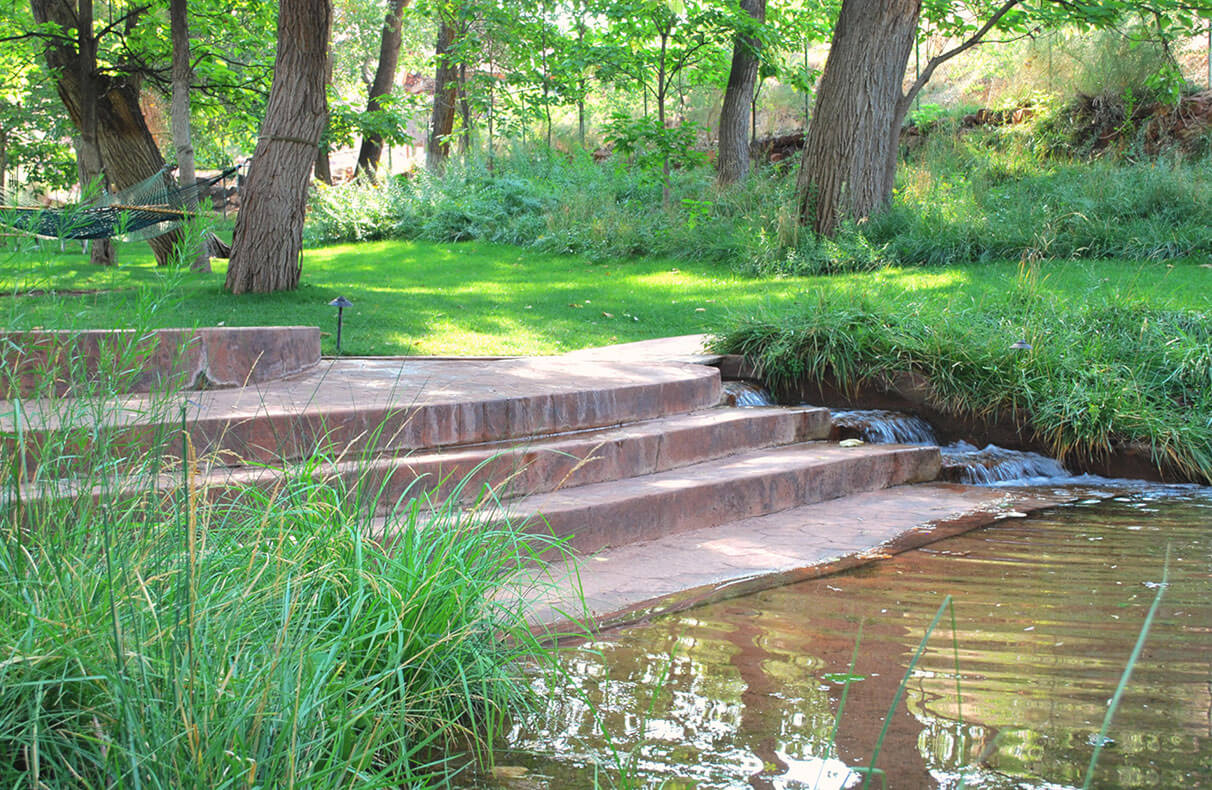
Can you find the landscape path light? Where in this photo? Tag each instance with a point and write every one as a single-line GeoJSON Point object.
{"type": "Point", "coordinates": [340, 303]}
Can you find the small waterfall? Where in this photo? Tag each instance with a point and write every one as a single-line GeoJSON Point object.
{"type": "Point", "coordinates": [746, 394]}
{"type": "Point", "coordinates": [885, 427]}
{"type": "Point", "coordinates": [964, 463]}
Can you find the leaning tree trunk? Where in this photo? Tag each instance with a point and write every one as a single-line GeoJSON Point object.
{"type": "Point", "coordinates": [269, 229]}
{"type": "Point", "coordinates": [732, 165]}
{"type": "Point", "coordinates": [127, 149]}
{"type": "Point", "coordinates": [385, 78]}
{"type": "Point", "coordinates": [445, 97]}
{"type": "Point", "coordinates": [88, 151]}
{"type": "Point", "coordinates": [323, 166]}
{"type": "Point", "coordinates": [101, 252]}
{"type": "Point", "coordinates": [849, 162]}
{"type": "Point", "coordinates": [3, 161]}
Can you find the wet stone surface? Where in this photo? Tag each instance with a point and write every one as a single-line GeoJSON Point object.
{"type": "Point", "coordinates": [745, 693]}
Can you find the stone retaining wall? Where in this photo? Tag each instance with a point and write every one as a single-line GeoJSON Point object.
{"type": "Point", "coordinates": [42, 362]}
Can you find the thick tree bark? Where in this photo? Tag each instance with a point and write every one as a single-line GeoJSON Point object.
{"type": "Point", "coordinates": [127, 149]}
{"type": "Point", "coordinates": [732, 164]}
{"type": "Point", "coordinates": [385, 78]}
{"type": "Point", "coordinates": [849, 163]}
{"type": "Point", "coordinates": [269, 230]}
{"type": "Point", "coordinates": [182, 132]}
{"type": "Point", "coordinates": [445, 99]}
{"type": "Point", "coordinates": [323, 167]}
{"type": "Point", "coordinates": [88, 152]}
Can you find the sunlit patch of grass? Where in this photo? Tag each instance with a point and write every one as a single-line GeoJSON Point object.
{"type": "Point", "coordinates": [487, 299]}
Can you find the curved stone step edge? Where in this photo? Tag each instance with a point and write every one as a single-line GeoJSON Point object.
{"type": "Point", "coordinates": [501, 400]}
{"type": "Point", "coordinates": [633, 583]}
{"type": "Point", "coordinates": [599, 515]}
{"type": "Point", "coordinates": [512, 468]}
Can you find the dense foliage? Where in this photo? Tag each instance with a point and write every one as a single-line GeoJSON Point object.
{"type": "Point", "coordinates": [982, 196]}
{"type": "Point", "coordinates": [1103, 370]}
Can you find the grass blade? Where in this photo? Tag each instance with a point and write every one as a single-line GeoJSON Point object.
{"type": "Point", "coordinates": [1123, 680]}
{"type": "Point", "coordinates": [900, 690]}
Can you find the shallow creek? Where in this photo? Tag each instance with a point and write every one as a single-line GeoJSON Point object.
{"type": "Point", "coordinates": [745, 693]}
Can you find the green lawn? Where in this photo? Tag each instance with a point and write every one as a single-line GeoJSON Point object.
{"type": "Point", "coordinates": [476, 298]}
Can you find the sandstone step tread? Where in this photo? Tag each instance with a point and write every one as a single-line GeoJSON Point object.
{"type": "Point", "coordinates": [520, 468]}
{"type": "Point", "coordinates": [632, 582]}
{"type": "Point", "coordinates": [749, 484]}
{"type": "Point", "coordinates": [406, 404]}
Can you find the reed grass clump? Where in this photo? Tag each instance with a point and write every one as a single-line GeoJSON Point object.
{"type": "Point", "coordinates": [152, 636]}
{"type": "Point", "coordinates": [1102, 371]}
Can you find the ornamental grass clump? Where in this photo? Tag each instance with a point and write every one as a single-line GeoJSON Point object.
{"type": "Point", "coordinates": [1102, 371]}
{"type": "Point", "coordinates": [153, 636]}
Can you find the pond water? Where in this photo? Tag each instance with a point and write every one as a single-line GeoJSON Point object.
{"type": "Point", "coordinates": [745, 693]}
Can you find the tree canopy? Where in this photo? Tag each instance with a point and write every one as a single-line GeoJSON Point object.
{"type": "Point", "coordinates": [656, 78]}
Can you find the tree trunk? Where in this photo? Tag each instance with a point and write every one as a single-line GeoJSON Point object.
{"type": "Point", "coordinates": [101, 252]}
{"type": "Point", "coordinates": [849, 163]}
{"type": "Point", "coordinates": [491, 112]}
{"type": "Point", "coordinates": [88, 154]}
{"type": "Point", "coordinates": [732, 165]}
{"type": "Point", "coordinates": [445, 97]}
{"type": "Point", "coordinates": [269, 229]}
{"type": "Point", "coordinates": [464, 112]}
{"type": "Point", "coordinates": [662, 87]}
{"type": "Point", "coordinates": [323, 166]}
{"type": "Point", "coordinates": [3, 161]}
{"type": "Point", "coordinates": [182, 134]}
{"type": "Point", "coordinates": [127, 149]}
{"type": "Point", "coordinates": [385, 78]}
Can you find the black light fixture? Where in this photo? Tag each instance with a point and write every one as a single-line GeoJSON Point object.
{"type": "Point", "coordinates": [340, 303]}
{"type": "Point", "coordinates": [1017, 345]}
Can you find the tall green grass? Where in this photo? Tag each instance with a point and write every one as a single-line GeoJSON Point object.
{"type": "Point", "coordinates": [980, 196]}
{"type": "Point", "coordinates": [152, 637]}
{"type": "Point", "coordinates": [1103, 371]}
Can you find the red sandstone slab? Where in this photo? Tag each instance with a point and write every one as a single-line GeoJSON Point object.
{"type": "Point", "coordinates": [619, 512]}
{"type": "Point", "coordinates": [511, 469]}
{"type": "Point", "coordinates": [351, 406]}
{"type": "Point", "coordinates": [683, 348]}
{"type": "Point", "coordinates": [630, 583]}
{"type": "Point", "coordinates": [70, 362]}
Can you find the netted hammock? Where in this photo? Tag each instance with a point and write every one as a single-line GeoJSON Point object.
{"type": "Point", "coordinates": [150, 208]}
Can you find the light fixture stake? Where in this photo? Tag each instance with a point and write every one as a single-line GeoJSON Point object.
{"type": "Point", "coordinates": [340, 303]}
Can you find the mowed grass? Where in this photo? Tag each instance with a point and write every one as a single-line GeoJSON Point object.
{"type": "Point", "coordinates": [473, 298]}
{"type": "Point", "coordinates": [409, 297]}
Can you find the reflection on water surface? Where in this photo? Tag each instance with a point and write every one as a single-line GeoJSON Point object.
{"type": "Point", "coordinates": [743, 693]}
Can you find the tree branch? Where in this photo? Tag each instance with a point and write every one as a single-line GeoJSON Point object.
{"type": "Point", "coordinates": [966, 45]}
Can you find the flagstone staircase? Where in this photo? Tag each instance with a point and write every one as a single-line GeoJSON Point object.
{"type": "Point", "coordinates": [600, 453]}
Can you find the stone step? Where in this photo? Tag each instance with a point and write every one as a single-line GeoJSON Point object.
{"type": "Point", "coordinates": [630, 583]}
{"type": "Point", "coordinates": [755, 483]}
{"type": "Point", "coordinates": [512, 469]}
{"type": "Point", "coordinates": [351, 407]}
{"type": "Point", "coordinates": [73, 363]}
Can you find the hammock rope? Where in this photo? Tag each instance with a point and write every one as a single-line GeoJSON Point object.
{"type": "Point", "coordinates": [150, 208]}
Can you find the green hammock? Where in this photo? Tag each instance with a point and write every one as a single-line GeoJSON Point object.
{"type": "Point", "coordinates": [150, 208]}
